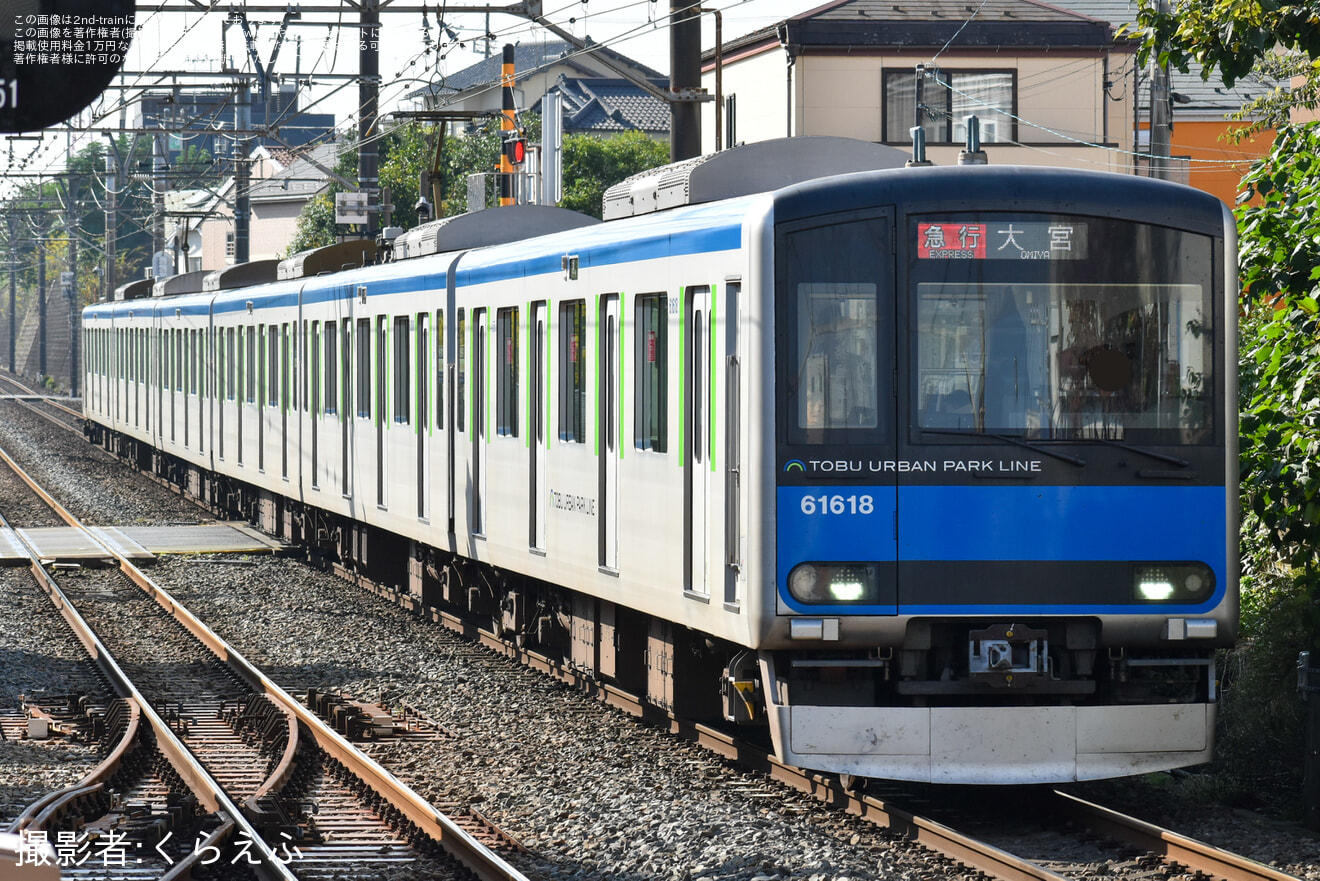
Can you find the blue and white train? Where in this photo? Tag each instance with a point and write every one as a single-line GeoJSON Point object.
{"type": "Point", "coordinates": [931, 472]}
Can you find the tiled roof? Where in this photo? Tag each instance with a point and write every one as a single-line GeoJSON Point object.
{"type": "Point", "coordinates": [878, 24]}
{"type": "Point", "coordinates": [528, 57]}
{"type": "Point", "coordinates": [598, 104]}
{"type": "Point", "coordinates": [299, 178]}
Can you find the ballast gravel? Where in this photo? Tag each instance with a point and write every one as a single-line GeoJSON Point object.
{"type": "Point", "coordinates": [591, 793]}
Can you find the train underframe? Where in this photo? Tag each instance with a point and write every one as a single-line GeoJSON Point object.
{"type": "Point", "coordinates": [965, 700]}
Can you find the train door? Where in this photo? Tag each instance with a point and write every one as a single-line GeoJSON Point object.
{"type": "Point", "coordinates": [382, 364]}
{"type": "Point", "coordinates": [607, 451]}
{"type": "Point", "coordinates": [263, 382]}
{"type": "Point", "coordinates": [479, 343]}
{"type": "Point", "coordinates": [421, 423]}
{"type": "Point", "coordinates": [697, 457]}
{"type": "Point", "coordinates": [733, 432]}
{"type": "Point", "coordinates": [536, 387]}
{"type": "Point", "coordinates": [345, 392]}
{"type": "Point", "coordinates": [315, 403]}
{"type": "Point", "coordinates": [241, 368]}
{"type": "Point", "coordinates": [286, 354]}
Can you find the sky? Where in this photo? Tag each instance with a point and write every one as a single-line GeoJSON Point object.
{"type": "Point", "coordinates": [196, 41]}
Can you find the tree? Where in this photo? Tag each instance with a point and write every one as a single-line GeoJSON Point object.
{"type": "Point", "coordinates": [593, 165]}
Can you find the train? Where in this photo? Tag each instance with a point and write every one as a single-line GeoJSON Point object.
{"type": "Point", "coordinates": [917, 473]}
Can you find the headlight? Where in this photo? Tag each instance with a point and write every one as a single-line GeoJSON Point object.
{"type": "Point", "coordinates": [1174, 583]}
{"type": "Point", "coordinates": [834, 583]}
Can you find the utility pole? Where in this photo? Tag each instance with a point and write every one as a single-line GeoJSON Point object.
{"type": "Point", "coordinates": [75, 301]}
{"type": "Point", "coordinates": [368, 107]}
{"type": "Point", "coordinates": [242, 175]}
{"type": "Point", "coordinates": [507, 125]}
{"type": "Point", "coordinates": [13, 289]}
{"type": "Point", "coordinates": [1161, 112]}
{"type": "Point", "coordinates": [684, 75]}
{"type": "Point", "coordinates": [158, 184]}
{"type": "Point", "coordinates": [41, 300]}
{"type": "Point", "coordinates": [112, 162]}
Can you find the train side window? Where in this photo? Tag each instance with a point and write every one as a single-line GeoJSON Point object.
{"type": "Point", "coordinates": [440, 369]}
{"type": "Point", "coordinates": [229, 364]}
{"type": "Point", "coordinates": [285, 353]}
{"type": "Point", "coordinates": [273, 367]}
{"type": "Point", "coordinates": [330, 403]}
{"type": "Point", "coordinates": [402, 362]}
{"type": "Point", "coordinates": [651, 418]}
{"type": "Point", "coordinates": [572, 371]}
{"type": "Point", "coordinates": [462, 371]}
{"type": "Point", "coordinates": [506, 378]}
{"type": "Point", "coordinates": [251, 362]}
{"type": "Point", "coordinates": [364, 368]}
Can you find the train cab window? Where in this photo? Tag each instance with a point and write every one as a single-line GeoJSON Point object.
{"type": "Point", "coordinates": [402, 365]}
{"type": "Point", "coordinates": [836, 325]}
{"type": "Point", "coordinates": [364, 368]}
{"type": "Point", "coordinates": [651, 416]}
{"type": "Point", "coordinates": [330, 403]}
{"type": "Point", "coordinates": [461, 391]}
{"type": "Point", "coordinates": [506, 375]}
{"type": "Point", "coordinates": [572, 371]}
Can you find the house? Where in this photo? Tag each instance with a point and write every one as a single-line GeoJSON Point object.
{"type": "Point", "coordinates": [1039, 79]}
{"type": "Point", "coordinates": [282, 183]}
{"type": "Point", "coordinates": [1205, 154]}
{"type": "Point", "coordinates": [596, 98]}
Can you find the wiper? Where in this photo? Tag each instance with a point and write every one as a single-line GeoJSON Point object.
{"type": "Point", "coordinates": [1012, 439]}
{"type": "Point", "coordinates": [1163, 457]}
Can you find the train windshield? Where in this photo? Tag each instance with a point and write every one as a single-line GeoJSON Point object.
{"type": "Point", "coordinates": [838, 326]}
{"type": "Point", "coordinates": [1062, 329]}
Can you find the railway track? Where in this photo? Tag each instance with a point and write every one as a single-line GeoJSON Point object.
{"type": "Point", "coordinates": [41, 401]}
{"type": "Point", "coordinates": [1132, 842]}
{"type": "Point", "coordinates": [1135, 848]}
{"type": "Point", "coordinates": [214, 759]}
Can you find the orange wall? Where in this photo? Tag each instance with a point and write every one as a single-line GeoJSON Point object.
{"type": "Point", "coordinates": [1208, 141]}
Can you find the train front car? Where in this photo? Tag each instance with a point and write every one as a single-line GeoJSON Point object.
{"type": "Point", "coordinates": [1004, 474]}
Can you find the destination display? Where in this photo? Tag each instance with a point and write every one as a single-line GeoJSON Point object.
{"type": "Point", "coordinates": [1004, 240]}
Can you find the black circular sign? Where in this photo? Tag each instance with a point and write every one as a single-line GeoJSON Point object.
{"type": "Point", "coordinates": [57, 56]}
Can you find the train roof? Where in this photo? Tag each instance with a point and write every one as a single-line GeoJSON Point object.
{"type": "Point", "coordinates": [955, 188]}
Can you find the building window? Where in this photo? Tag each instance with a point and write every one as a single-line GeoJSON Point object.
{"type": "Point", "coordinates": [572, 371]}
{"type": "Point", "coordinates": [229, 246]}
{"type": "Point", "coordinates": [651, 422]}
{"type": "Point", "coordinates": [950, 96]}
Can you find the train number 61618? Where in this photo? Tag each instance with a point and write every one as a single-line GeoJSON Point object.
{"type": "Point", "coordinates": [837, 504]}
